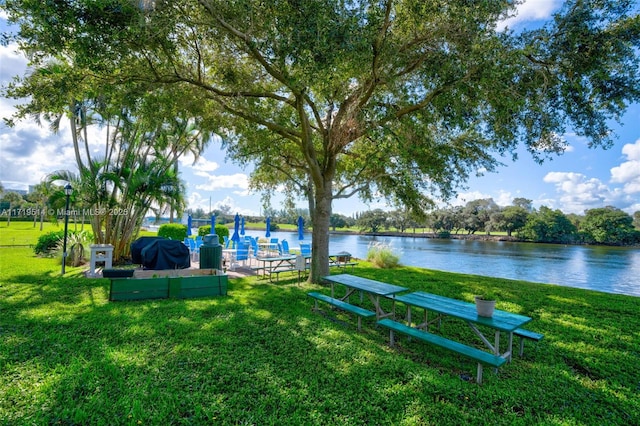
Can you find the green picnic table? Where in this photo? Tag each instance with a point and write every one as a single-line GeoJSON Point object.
{"type": "Point", "coordinates": [501, 321]}
{"type": "Point", "coordinates": [373, 289]}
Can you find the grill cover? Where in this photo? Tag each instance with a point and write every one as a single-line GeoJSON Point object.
{"type": "Point", "coordinates": [165, 254]}
{"type": "Point", "coordinates": [138, 245]}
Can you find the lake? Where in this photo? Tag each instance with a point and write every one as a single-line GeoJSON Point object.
{"type": "Point", "coordinates": [608, 269]}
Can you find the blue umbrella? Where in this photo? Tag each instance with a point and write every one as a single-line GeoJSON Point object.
{"type": "Point", "coordinates": [213, 224]}
{"type": "Point", "coordinates": [242, 226]}
{"type": "Point", "coordinates": [300, 228]}
{"type": "Point", "coordinates": [236, 225]}
{"type": "Point", "coordinates": [189, 224]}
{"type": "Point", "coordinates": [268, 234]}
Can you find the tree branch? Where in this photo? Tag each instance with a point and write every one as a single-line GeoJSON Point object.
{"type": "Point", "coordinates": [281, 130]}
{"type": "Point", "coordinates": [249, 44]}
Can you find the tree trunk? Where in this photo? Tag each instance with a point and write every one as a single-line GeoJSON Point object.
{"type": "Point", "coordinates": [320, 242]}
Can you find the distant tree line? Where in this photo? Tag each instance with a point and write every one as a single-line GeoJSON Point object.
{"type": "Point", "coordinates": [607, 225]}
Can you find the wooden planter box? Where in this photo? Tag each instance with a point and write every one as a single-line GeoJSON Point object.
{"type": "Point", "coordinates": [189, 287]}
{"type": "Point", "coordinates": [172, 285]}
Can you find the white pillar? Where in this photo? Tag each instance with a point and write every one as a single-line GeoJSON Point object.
{"type": "Point", "coordinates": [100, 253]}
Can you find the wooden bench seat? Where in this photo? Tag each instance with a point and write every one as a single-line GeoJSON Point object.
{"type": "Point", "coordinates": [357, 310]}
{"type": "Point", "coordinates": [481, 357]}
{"type": "Point", "coordinates": [278, 271]}
{"type": "Point", "coordinates": [527, 334]}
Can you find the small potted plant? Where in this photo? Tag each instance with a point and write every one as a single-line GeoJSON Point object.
{"type": "Point", "coordinates": [485, 304]}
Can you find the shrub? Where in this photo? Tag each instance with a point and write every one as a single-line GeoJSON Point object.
{"type": "Point", "coordinates": [381, 256]}
{"type": "Point", "coordinates": [204, 230]}
{"type": "Point", "coordinates": [77, 245]}
{"type": "Point", "coordinates": [173, 231]}
{"type": "Point", "coordinates": [48, 243]}
{"type": "Point", "coordinates": [221, 231]}
{"type": "Point", "coordinates": [51, 242]}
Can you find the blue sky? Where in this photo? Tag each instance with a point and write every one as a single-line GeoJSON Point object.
{"type": "Point", "coordinates": [580, 179]}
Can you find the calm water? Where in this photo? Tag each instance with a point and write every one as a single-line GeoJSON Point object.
{"type": "Point", "coordinates": [609, 269]}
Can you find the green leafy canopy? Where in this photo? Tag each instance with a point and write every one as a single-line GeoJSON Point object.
{"type": "Point", "coordinates": [397, 99]}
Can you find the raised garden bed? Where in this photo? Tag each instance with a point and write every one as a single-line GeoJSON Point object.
{"type": "Point", "coordinates": [163, 284]}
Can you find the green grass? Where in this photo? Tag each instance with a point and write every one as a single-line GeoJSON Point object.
{"type": "Point", "coordinates": [261, 356]}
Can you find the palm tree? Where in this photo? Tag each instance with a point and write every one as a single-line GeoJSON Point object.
{"type": "Point", "coordinates": [146, 134]}
{"type": "Point", "coordinates": [40, 196]}
{"type": "Point", "coordinates": [137, 177]}
{"type": "Point", "coordinates": [179, 137]}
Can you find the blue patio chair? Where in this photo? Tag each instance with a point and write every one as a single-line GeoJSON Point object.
{"type": "Point", "coordinates": [226, 241]}
{"type": "Point", "coordinates": [305, 249]}
{"type": "Point", "coordinates": [242, 253]}
{"type": "Point", "coordinates": [284, 247]}
{"type": "Point", "coordinates": [194, 248]}
{"type": "Point", "coordinates": [254, 245]}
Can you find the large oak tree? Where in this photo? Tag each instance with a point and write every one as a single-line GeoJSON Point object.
{"type": "Point", "coordinates": [332, 98]}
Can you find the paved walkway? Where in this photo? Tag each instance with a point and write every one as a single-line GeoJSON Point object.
{"type": "Point", "coordinates": [238, 272]}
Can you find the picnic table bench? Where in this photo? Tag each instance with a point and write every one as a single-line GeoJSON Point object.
{"type": "Point", "coordinates": [279, 271]}
{"type": "Point", "coordinates": [341, 260]}
{"type": "Point", "coordinates": [270, 264]}
{"type": "Point", "coordinates": [500, 322]}
{"type": "Point", "coordinates": [373, 289]}
{"type": "Point", "coordinates": [289, 266]}
{"type": "Point", "coordinates": [478, 355]}
{"type": "Point", "coordinates": [526, 334]}
{"type": "Point", "coordinates": [344, 265]}
{"type": "Point", "coordinates": [360, 312]}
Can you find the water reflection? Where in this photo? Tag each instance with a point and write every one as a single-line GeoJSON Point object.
{"type": "Point", "coordinates": [609, 269]}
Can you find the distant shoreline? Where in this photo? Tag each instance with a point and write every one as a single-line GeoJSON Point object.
{"type": "Point", "coordinates": [434, 235]}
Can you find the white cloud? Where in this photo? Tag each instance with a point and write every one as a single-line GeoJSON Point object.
{"type": "Point", "coordinates": [531, 10]}
{"type": "Point", "coordinates": [238, 180]}
{"type": "Point", "coordinates": [12, 62]}
{"type": "Point", "coordinates": [202, 166]}
{"type": "Point", "coordinates": [197, 201]}
{"type": "Point", "coordinates": [464, 197]}
{"type": "Point", "coordinates": [231, 202]}
{"type": "Point", "coordinates": [628, 173]}
{"type": "Point", "coordinates": [577, 193]}
{"type": "Point", "coordinates": [632, 151]}
{"type": "Point", "coordinates": [505, 198]}
{"type": "Point", "coordinates": [30, 152]}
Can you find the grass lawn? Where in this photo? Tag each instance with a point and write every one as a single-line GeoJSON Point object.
{"type": "Point", "coordinates": [261, 356]}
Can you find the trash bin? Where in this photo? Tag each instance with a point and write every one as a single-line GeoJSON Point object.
{"type": "Point", "coordinates": [210, 252]}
